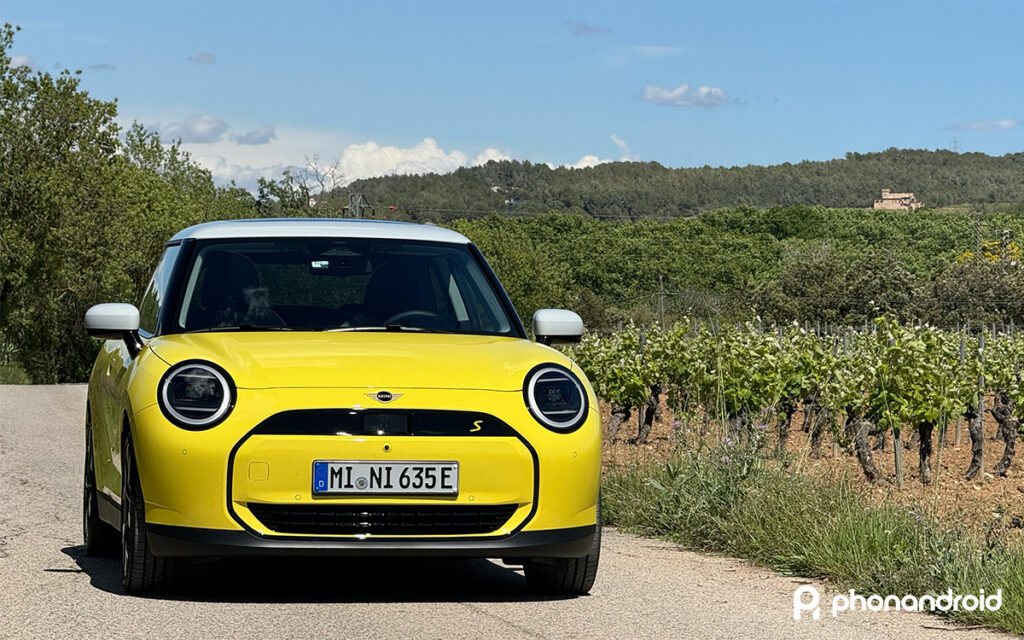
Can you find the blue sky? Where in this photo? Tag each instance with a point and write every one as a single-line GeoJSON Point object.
{"type": "Point", "coordinates": [403, 87]}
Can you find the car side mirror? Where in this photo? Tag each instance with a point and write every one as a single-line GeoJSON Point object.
{"type": "Point", "coordinates": [553, 326]}
{"type": "Point", "coordinates": [115, 321]}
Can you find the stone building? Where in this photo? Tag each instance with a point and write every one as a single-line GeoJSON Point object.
{"type": "Point", "coordinates": [890, 200]}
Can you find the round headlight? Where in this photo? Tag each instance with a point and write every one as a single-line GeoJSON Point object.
{"type": "Point", "coordinates": [555, 397]}
{"type": "Point", "coordinates": [196, 395]}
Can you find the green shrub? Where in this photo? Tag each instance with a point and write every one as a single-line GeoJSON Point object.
{"type": "Point", "coordinates": [13, 374]}
{"type": "Point", "coordinates": [723, 500]}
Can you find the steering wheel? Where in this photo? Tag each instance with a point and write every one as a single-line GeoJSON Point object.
{"type": "Point", "coordinates": [402, 315]}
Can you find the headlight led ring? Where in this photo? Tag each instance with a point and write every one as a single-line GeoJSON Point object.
{"type": "Point", "coordinates": [196, 394]}
{"type": "Point", "coordinates": [555, 397]}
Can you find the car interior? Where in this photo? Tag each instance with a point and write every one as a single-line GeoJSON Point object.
{"type": "Point", "coordinates": [334, 284]}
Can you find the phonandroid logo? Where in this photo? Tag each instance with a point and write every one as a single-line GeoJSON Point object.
{"type": "Point", "coordinates": [854, 601]}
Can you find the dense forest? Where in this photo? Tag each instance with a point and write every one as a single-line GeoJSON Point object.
{"type": "Point", "coordinates": [631, 190]}
{"type": "Point", "coordinates": [85, 207]}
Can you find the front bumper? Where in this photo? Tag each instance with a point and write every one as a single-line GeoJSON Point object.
{"type": "Point", "coordinates": [206, 481]}
{"type": "Point", "coordinates": [168, 540]}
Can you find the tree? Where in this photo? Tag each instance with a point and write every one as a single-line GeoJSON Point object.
{"type": "Point", "coordinates": [83, 213]}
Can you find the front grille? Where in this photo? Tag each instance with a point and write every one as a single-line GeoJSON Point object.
{"type": "Point", "coordinates": [382, 519]}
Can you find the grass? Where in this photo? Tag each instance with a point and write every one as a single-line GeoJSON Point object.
{"type": "Point", "coordinates": [727, 500]}
{"type": "Point", "coordinates": [13, 374]}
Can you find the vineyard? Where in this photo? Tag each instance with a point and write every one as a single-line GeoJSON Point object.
{"type": "Point", "coordinates": [855, 388]}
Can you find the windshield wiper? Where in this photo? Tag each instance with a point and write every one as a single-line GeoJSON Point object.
{"type": "Point", "coordinates": [242, 327]}
{"type": "Point", "coordinates": [390, 327]}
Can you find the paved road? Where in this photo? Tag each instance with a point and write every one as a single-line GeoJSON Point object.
{"type": "Point", "coordinates": [646, 589]}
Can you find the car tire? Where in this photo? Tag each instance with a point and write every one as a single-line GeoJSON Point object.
{"type": "Point", "coordinates": [142, 573]}
{"type": "Point", "coordinates": [566, 576]}
{"type": "Point", "coordinates": [98, 537]}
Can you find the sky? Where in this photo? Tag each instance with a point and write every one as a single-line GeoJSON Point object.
{"type": "Point", "coordinates": [376, 88]}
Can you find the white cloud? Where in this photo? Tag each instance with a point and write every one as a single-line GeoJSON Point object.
{"type": "Point", "coordinates": [228, 160]}
{"type": "Point", "coordinates": [290, 147]}
{"type": "Point", "coordinates": [196, 128]}
{"type": "Point", "coordinates": [245, 176]}
{"type": "Point", "coordinates": [358, 161]}
{"type": "Point", "coordinates": [260, 135]}
{"type": "Point", "coordinates": [1005, 124]}
{"type": "Point", "coordinates": [585, 162]}
{"type": "Point", "coordinates": [488, 154]}
{"type": "Point", "coordinates": [685, 96]}
{"type": "Point", "coordinates": [21, 61]}
{"type": "Point", "coordinates": [370, 160]}
{"type": "Point", "coordinates": [624, 153]}
{"type": "Point", "coordinates": [203, 57]}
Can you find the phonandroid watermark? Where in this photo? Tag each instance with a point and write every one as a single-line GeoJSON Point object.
{"type": "Point", "coordinates": [853, 601]}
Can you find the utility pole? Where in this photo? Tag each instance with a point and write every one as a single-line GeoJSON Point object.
{"type": "Point", "coordinates": [356, 204]}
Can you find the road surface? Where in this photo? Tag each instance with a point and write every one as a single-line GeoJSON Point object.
{"type": "Point", "coordinates": [49, 588]}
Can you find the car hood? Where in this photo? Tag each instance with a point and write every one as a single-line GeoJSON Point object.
{"type": "Point", "coordinates": [362, 359]}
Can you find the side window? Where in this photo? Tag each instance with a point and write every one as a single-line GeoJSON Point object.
{"type": "Point", "coordinates": [152, 300]}
{"type": "Point", "coordinates": [473, 297]}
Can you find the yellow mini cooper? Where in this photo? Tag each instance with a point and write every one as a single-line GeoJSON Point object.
{"type": "Point", "coordinates": [337, 387]}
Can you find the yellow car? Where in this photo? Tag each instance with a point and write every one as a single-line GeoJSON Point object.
{"type": "Point", "coordinates": [337, 387]}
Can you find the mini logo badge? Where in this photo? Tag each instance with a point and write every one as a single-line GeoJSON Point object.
{"type": "Point", "coordinates": [384, 396]}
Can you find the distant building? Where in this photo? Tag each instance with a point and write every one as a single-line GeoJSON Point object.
{"type": "Point", "coordinates": [891, 200]}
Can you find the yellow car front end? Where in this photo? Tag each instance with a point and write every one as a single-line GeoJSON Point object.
{"type": "Point", "coordinates": [337, 387]}
{"type": "Point", "coordinates": [246, 485]}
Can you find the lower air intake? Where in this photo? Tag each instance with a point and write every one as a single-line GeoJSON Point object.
{"type": "Point", "coordinates": [393, 520]}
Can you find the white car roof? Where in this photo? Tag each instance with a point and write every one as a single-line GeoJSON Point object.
{"type": "Point", "coordinates": [319, 228]}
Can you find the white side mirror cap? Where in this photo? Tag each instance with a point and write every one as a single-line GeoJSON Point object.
{"type": "Point", "coordinates": [557, 325]}
{"type": "Point", "coordinates": [112, 320]}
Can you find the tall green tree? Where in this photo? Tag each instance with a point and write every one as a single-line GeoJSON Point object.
{"type": "Point", "coordinates": [84, 211]}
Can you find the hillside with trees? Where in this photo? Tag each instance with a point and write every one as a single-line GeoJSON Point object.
{"type": "Point", "coordinates": [632, 190]}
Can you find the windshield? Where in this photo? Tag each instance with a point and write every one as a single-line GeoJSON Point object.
{"type": "Point", "coordinates": [353, 284]}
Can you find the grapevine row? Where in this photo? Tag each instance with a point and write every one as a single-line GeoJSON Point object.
{"type": "Point", "coordinates": [892, 378]}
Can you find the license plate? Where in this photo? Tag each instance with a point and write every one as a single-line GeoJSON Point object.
{"type": "Point", "coordinates": [408, 478]}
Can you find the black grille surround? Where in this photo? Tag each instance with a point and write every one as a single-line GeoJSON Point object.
{"type": "Point", "coordinates": [387, 520]}
{"type": "Point", "coordinates": [271, 426]}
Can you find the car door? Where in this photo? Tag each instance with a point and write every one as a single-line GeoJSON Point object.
{"type": "Point", "coordinates": [103, 410]}
{"type": "Point", "coordinates": [107, 433]}
{"type": "Point", "coordinates": [117, 374]}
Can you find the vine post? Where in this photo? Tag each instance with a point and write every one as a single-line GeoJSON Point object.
{"type": "Point", "coordinates": [981, 402]}
{"type": "Point", "coordinates": [976, 426]}
{"type": "Point", "coordinates": [898, 447]}
{"type": "Point", "coordinates": [963, 355]}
